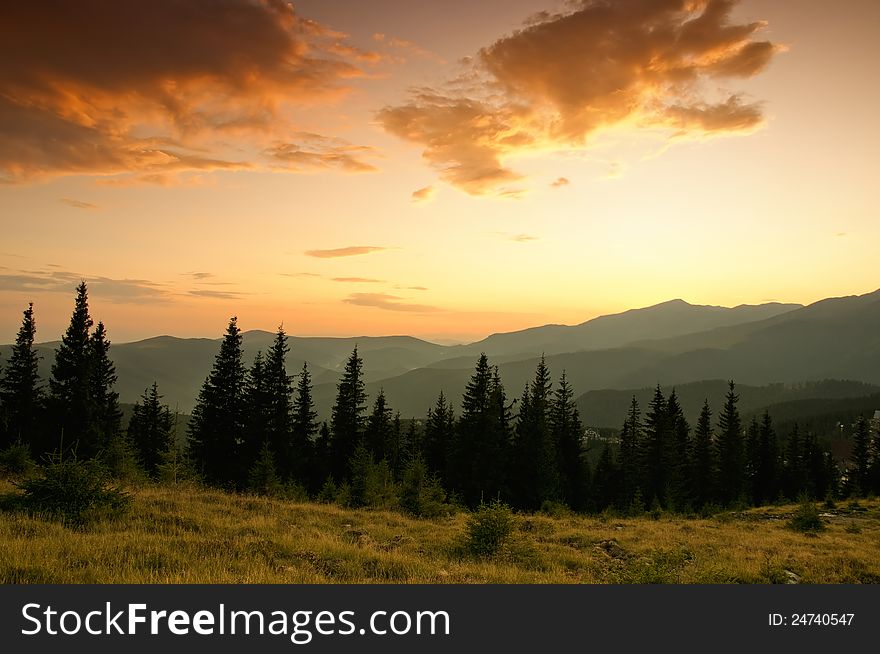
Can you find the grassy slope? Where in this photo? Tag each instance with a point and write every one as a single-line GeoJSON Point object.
{"type": "Point", "coordinates": [192, 535]}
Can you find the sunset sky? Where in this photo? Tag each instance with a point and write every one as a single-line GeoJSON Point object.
{"type": "Point", "coordinates": [445, 169]}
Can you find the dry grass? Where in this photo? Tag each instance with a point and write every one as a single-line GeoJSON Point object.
{"type": "Point", "coordinates": [189, 535]}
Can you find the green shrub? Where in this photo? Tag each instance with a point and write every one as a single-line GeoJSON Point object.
{"type": "Point", "coordinates": [806, 519]}
{"type": "Point", "coordinates": [15, 461]}
{"type": "Point", "coordinates": [489, 528]}
{"type": "Point", "coordinates": [420, 492]}
{"type": "Point", "coordinates": [75, 492]}
{"type": "Point", "coordinates": [263, 476]}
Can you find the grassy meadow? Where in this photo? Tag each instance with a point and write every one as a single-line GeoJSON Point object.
{"type": "Point", "coordinates": [194, 535]}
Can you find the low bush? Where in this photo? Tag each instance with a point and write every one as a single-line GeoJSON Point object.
{"type": "Point", "coordinates": [75, 492]}
{"type": "Point", "coordinates": [489, 528]}
{"type": "Point", "coordinates": [15, 461]}
{"type": "Point", "coordinates": [806, 519]}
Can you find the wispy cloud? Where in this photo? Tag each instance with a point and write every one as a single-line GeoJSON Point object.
{"type": "Point", "coordinates": [350, 251]}
{"type": "Point", "coordinates": [311, 151]}
{"type": "Point", "coordinates": [217, 295]}
{"type": "Point", "coordinates": [135, 291]}
{"type": "Point", "coordinates": [358, 280]}
{"type": "Point", "coordinates": [425, 194]}
{"type": "Point", "coordinates": [560, 182]}
{"type": "Point", "coordinates": [388, 303]}
{"type": "Point", "coordinates": [78, 204]}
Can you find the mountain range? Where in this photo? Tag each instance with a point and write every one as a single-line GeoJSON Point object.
{"type": "Point", "coordinates": [674, 344]}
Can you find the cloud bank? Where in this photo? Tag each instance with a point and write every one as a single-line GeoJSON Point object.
{"type": "Point", "coordinates": [161, 87]}
{"type": "Point", "coordinates": [648, 64]}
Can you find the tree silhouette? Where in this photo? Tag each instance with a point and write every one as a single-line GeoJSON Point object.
{"type": "Point", "coordinates": [216, 428]}
{"type": "Point", "coordinates": [730, 450]}
{"type": "Point", "coordinates": [150, 430]}
{"type": "Point", "coordinates": [347, 420]}
{"type": "Point", "coordinates": [20, 392]}
{"type": "Point", "coordinates": [69, 385]}
{"type": "Point", "coordinates": [568, 432]}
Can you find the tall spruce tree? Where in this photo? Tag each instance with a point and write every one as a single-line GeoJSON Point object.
{"type": "Point", "coordinates": [482, 437]}
{"type": "Point", "coordinates": [679, 496]}
{"type": "Point", "coordinates": [439, 435]}
{"type": "Point", "coordinates": [630, 454]}
{"type": "Point", "coordinates": [106, 416]}
{"type": "Point", "coordinates": [304, 427]}
{"type": "Point", "coordinates": [257, 415]}
{"type": "Point", "coordinates": [279, 415]}
{"type": "Point", "coordinates": [860, 484]}
{"type": "Point", "coordinates": [703, 464]}
{"type": "Point", "coordinates": [536, 465]}
{"type": "Point", "coordinates": [795, 474]}
{"type": "Point", "coordinates": [20, 392]}
{"type": "Point", "coordinates": [347, 419]}
{"type": "Point", "coordinates": [217, 426]}
{"type": "Point", "coordinates": [606, 480]}
{"type": "Point", "coordinates": [70, 383]}
{"type": "Point", "coordinates": [753, 462]}
{"type": "Point", "coordinates": [730, 450]}
{"type": "Point", "coordinates": [150, 430]}
{"type": "Point", "coordinates": [568, 432]}
{"type": "Point", "coordinates": [768, 474]}
{"type": "Point", "coordinates": [378, 434]}
{"type": "Point", "coordinates": [655, 453]}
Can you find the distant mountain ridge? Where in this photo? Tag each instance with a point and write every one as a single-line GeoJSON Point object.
{"type": "Point", "coordinates": [671, 343]}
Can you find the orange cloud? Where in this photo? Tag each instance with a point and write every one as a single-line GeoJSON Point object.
{"type": "Point", "coordinates": [314, 151]}
{"type": "Point", "coordinates": [387, 302]}
{"type": "Point", "coordinates": [78, 204]}
{"type": "Point", "coordinates": [560, 181]}
{"type": "Point", "coordinates": [156, 88]}
{"type": "Point", "coordinates": [424, 194]}
{"type": "Point", "coordinates": [358, 280]}
{"type": "Point", "coordinates": [351, 251]}
{"type": "Point", "coordinates": [564, 77]}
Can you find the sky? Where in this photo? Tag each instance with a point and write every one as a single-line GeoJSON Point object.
{"type": "Point", "coordinates": [445, 169]}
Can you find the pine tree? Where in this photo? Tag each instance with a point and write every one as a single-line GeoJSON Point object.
{"type": "Point", "coordinates": [861, 481]}
{"type": "Point", "coordinates": [482, 437]}
{"type": "Point", "coordinates": [304, 427]}
{"type": "Point", "coordinates": [347, 420]}
{"type": "Point", "coordinates": [536, 465]}
{"type": "Point", "coordinates": [106, 416]}
{"type": "Point", "coordinates": [568, 431]}
{"type": "Point", "coordinates": [679, 495]}
{"type": "Point", "coordinates": [20, 391]}
{"type": "Point", "coordinates": [630, 454]}
{"type": "Point", "coordinates": [655, 453]}
{"type": "Point", "coordinates": [439, 435]}
{"type": "Point", "coordinates": [378, 434]}
{"type": "Point", "coordinates": [256, 413]}
{"type": "Point", "coordinates": [730, 450]}
{"type": "Point", "coordinates": [795, 476]}
{"type": "Point", "coordinates": [702, 460]}
{"type": "Point", "coordinates": [216, 429]}
{"type": "Point", "coordinates": [69, 385]}
{"type": "Point", "coordinates": [279, 417]}
{"type": "Point", "coordinates": [768, 482]}
{"type": "Point", "coordinates": [606, 487]}
{"type": "Point", "coordinates": [150, 430]}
